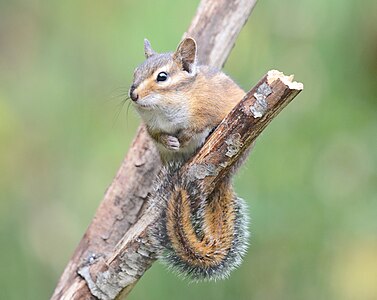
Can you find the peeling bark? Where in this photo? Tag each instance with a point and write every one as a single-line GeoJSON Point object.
{"type": "Point", "coordinates": [134, 254]}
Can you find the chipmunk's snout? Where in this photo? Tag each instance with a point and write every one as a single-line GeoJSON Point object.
{"type": "Point", "coordinates": [134, 96]}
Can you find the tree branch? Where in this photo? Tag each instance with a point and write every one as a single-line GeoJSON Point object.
{"type": "Point", "coordinates": [135, 252]}
{"type": "Point", "coordinates": [215, 27]}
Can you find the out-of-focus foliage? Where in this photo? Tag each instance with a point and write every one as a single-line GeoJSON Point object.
{"type": "Point", "coordinates": [311, 182]}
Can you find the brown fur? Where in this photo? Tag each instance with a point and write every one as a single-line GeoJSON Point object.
{"type": "Point", "coordinates": [218, 227]}
{"type": "Point", "coordinates": [212, 97]}
{"type": "Point", "coordinates": [185, 108]}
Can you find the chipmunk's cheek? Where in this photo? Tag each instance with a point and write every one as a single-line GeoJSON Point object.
{"type": "Point", "coordinates": [149, 101]}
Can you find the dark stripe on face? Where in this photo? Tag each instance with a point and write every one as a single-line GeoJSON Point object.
{"type": "Point", "coordinates": [183, 83]}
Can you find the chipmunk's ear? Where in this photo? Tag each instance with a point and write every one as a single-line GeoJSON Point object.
{"type": "Point", "coordinates": [148, 49]}
{"type": "Point", "coordinates": [185, 55]}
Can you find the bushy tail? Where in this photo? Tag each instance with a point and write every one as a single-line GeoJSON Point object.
{"type": "Point", "coordinates": [202, 237]}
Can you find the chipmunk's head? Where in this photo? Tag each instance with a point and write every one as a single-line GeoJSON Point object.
{"type": "Point", "coordinates": [161, 83]}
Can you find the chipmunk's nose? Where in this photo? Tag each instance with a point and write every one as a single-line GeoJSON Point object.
{"type": "Point", "coordinates": [133, 95]}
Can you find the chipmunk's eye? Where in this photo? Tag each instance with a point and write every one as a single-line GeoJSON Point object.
{"type": "Point", "coordinates": [162, 76]}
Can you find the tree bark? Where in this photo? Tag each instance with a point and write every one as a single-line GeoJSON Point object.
{"type": "Point", "coordinates": [215, 27]}
{"type": "Point", "coordinates": [135, 252]}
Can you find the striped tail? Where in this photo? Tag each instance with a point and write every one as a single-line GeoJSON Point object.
{"type": "Point", "coordinates": [202, 237]}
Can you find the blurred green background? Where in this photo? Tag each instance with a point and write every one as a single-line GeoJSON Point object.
{"type": "Point", "coordinates": [311, 182]}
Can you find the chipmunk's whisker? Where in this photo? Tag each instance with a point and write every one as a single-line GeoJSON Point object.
{"type": "Point", "coordinates": [119, 93]}
{"type": "Point", "coordinates": [120, 108]}
{"type": "Point", "coordinates": [128, 107]}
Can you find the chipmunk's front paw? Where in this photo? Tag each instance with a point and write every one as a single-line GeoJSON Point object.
{"type": "Point", "coordinates": [172, 143]}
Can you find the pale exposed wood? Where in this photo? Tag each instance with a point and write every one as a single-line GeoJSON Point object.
{"type": "Point", "coordinates": [124, 200]}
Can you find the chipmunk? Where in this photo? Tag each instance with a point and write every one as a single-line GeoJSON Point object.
{"type": "Point", "coordinates": [181, 103]}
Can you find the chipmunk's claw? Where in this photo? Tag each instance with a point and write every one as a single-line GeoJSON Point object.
{"type": "Point", "coordinates": [172, 143]}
